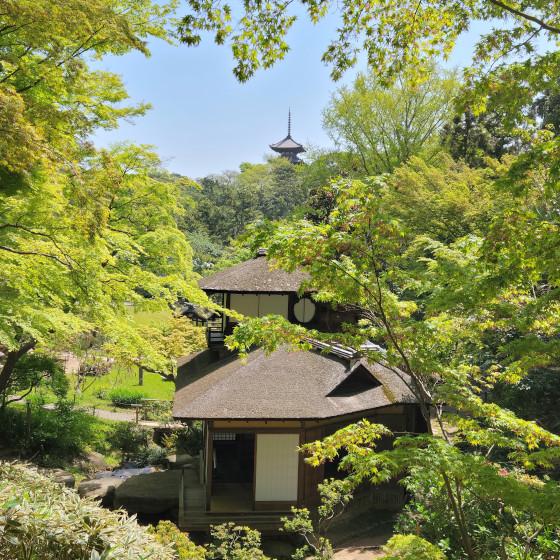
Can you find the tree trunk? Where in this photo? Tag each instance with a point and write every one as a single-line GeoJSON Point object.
{"type": "Point", "coordinates": [140, 376]}
{"type": "Point", "coordinates": [12, 359]}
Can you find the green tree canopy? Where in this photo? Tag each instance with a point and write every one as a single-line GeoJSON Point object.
{"type": "Point", "coordinates": [51, 98]}
{"type": "Point", "coordinates": [385, 126]}
{"type": "Point", "coordinates": [393, 35]}
{"type": "Point", "coordinates": [437, 299]}
{"type": "Point", "coordinates": [83, 233]}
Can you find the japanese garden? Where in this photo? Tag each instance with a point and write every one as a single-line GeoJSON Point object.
{"type": "Point", "coordinates": [310, 309]}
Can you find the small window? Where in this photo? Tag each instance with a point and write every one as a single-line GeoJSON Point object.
{"type": "Point", "coordinates": [304, 310]}
{"type": "Point", "coordinates": [223, 436]}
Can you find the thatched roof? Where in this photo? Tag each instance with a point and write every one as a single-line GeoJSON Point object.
{"type": "Point", "coordinates": [283, 385]}
{"type": "Point", "coordinates": [252, 276]}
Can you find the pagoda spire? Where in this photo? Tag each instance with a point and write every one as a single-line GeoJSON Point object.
{"type": "Point", "coordinates": [288, 147]}
{"type": "Point", "coordinates": [289, 122]}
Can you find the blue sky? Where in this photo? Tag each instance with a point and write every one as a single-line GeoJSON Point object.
{"type": "Point", "coordinates": [203, 121]}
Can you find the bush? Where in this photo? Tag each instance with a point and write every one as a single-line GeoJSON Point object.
{"type": "Point", "coordinates": [54, 436]}
{"type": "Point", "coordinates": [102, 393]}
{"type": "Point", "coordinates": [190, 439]}
{"type": "Point", "coordinates": [234, 542]}
{"type": "Point", "coordinates": [167, 533]}
{"type": "Point", "coordinates": [130, 438]}
{"type": "Point", "coordinates": [411, 547]}
{"type": "Point", "coordinates": [126, 397]}
{"type": "Point", "coordinates": [151, 455]}
{"type": "Point", "coordinates": [40, 519]}
{"type": "Point", "coordinates": [159, 411]}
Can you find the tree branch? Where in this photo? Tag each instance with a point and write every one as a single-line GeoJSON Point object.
{"type": "Point", "coordinates": [543, 24]}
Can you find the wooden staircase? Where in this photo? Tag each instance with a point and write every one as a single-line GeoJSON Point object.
{"type": "Point", "coordinates": [194, 517]}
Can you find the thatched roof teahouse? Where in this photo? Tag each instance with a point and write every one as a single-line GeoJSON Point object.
{"type": "Point", "coordinates": [257, 412]}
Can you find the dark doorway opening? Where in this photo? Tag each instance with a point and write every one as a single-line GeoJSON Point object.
{"type": "Point", "coordinates": [234, 457]}
{"type": "Point", "coordinates": [233, 471]}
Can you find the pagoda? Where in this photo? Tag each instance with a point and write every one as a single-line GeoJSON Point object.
{"type": "Point", "coordinates": [288, 147]}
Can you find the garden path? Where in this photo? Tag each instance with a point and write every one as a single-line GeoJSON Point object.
{"type": "Point", "coordinates": [361, 548]}
{"type": "Point", "coordinates": [123, 416]}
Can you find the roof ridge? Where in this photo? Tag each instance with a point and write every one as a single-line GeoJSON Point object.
{"type": "Point", "coordinates": [335, 348]}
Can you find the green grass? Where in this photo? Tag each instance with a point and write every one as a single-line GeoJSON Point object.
{"type": "Point", "coordinates": [152, 317]}
{"type": "Point", "coordinates": [155, 387]}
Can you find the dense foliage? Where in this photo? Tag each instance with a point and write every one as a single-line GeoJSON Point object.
{"type": "Point", "coordinates": [451, 259]}
{"type": "Point", "coordinates": [83, 233]}
{"type": "Point", "coordinates": [167, 533]}
{"type": "Point", "coordinates": [53, 437]}
{"type": "Point", "coordinates": [454, 270]}
{"type": "Point", "coordinates": [40, 519]}
{"type": "Point", "coordinates": [386, 126]}
{"type": "Point", "coordinates": [235, 542]}
{"type": "Point", "coordinates": [411, 547]}
{"type": "Point", "coordinates": [224, 205]}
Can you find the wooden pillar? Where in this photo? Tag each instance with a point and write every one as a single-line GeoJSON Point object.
{"type": "Point", "coordinates": [209, 464]}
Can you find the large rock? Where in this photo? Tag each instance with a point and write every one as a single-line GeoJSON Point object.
{"type": "Point", "coordinates": [64, 477]}
{"type": "Point", "coordinates": [93, 462]}
{"type": "Point", "coordinates": [180, 460]}
{"type": "Point", "coordinates": [153, 493]}
{"type": "Point", "coordinates": [97, 460]}
{"type": "Point", "coordinates": [101, 488]}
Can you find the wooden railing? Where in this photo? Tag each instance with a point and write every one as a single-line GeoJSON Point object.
{"type": "Point", "coordinates": [214, 335]}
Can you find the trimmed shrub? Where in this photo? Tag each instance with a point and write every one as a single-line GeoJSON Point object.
{"type": "Point", "coordinates": [42, 519]}
{"type": "Point", "coordinates": [167, 533]}
{"type": "Point", "coordinates": [190, 439]}
{"type": "Point", "coordinates": [126, 397]}
{"type": "Point", "coordinates": [130, 438]}
{"type": "Point", "coordinates": [411, 547]}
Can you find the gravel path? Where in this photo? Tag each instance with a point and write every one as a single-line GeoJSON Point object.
{"type": "Point", "coordinates": [362, 548]}
{"type": "Point", "coordinates": [123, 416]}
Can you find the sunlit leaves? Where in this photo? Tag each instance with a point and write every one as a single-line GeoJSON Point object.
{"type": "Point", "coordinates": [386, 126]}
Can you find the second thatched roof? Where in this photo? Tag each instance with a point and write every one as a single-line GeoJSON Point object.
{"type": "Point", "coordinates": [254, 276]}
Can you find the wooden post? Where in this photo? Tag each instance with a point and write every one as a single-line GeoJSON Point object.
{"type": "Point", "coordinates": [209, 465]}
{"type": "Point", "coordinates": [140, 376]}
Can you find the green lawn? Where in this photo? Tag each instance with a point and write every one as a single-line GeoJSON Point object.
{"type": "Point", "coordinates": [152, 317]}
{"type": "Point", "coordinates": [95, 389]}
{"type": "Point", "coordinates": [155, 387]}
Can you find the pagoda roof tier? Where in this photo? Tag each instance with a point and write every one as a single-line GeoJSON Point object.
{"type": "Point", "coordinates": [288, 144]}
